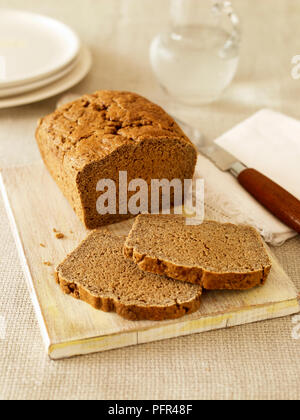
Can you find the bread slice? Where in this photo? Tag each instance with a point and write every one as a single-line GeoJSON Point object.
{"type": "Point", "coordinates": [100, 135]}
{"type": "Point", "coordinates": [97, 273]}
{"type": "Point", "coordinates": [214, 255]}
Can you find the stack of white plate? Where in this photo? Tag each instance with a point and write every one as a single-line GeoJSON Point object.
{"type": "Point", "coordinates": [39, 58]}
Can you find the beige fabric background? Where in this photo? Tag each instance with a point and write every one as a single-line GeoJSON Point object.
{"type": "Point", "coordinates": [254, 361]}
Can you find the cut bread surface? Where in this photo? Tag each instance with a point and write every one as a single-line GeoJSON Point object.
{"type": "Point", "coordinates": [217, 256]}
{"type": "Point", "coordinates": [97, 273]}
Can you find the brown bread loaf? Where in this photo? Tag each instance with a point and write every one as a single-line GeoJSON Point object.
{"type": "Point", "coordinates": [216, 256]}
{"type": "Point", "coordinates": [98, 135]}
{"type": "Point", "coordinates": [97, 273]}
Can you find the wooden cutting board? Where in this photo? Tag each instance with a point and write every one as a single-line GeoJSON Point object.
{"type": "Point", "coordinates": [36, 206]}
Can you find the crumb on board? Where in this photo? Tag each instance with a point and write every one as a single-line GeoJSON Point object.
{"type": "Point", "coordinates": [48, 263]}
{"type": "Point", "coordinates": [42, 245]}
{"type": "Point", "coordinates": [60, 235]}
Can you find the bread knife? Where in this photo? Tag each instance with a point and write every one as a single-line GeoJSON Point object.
{"type": "Point", "coordinates": [274, 198]}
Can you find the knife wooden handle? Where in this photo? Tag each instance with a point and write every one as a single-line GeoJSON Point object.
{"type": "Point", "coordinates": [273, 197]}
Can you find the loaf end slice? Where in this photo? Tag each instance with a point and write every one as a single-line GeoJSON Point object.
{"type": "Point", "coordinates": [97, 273]}
{"type": "Point", "coordinates": [214, 255]}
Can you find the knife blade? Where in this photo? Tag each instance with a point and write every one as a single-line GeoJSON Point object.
{"type": "Point", "coordinates": [272, 196]}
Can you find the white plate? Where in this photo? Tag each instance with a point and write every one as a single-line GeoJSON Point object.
{"type": "Point", "coordinates": [29, 87]}
{"type": "Point", "coordinates": [75, 76]}
{"type": "Point", "coordinates": [33, 47]}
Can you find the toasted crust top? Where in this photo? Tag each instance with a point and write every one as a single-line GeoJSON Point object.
{"type": "Point", "coordinates": [94, 126]}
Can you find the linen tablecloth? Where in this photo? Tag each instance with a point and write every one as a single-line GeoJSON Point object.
{"type": "Point", "coordinates": [252, 361]}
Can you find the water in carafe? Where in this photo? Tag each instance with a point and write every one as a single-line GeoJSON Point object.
{"type": "Point", "coordinates": [195, 62]}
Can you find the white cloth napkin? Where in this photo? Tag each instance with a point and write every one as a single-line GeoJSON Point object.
{"type": "Point", "coordinates": [269, 142]}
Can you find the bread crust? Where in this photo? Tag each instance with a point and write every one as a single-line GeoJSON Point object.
{"type": "Point", "coordinates": [82, 140]}
{"type": "Point", "coordinates": [209, 280]}
{"type": "Point", "coordinates": [130, 312]}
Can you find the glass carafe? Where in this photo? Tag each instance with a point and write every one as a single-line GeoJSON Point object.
{"type": "Point", "coordinates": [197, 57]}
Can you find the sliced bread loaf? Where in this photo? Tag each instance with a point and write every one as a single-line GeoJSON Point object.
{"type": "Point", "coordinates": [97, 273]}
{"type": "Point", "coordinates": [216, 256]}
{"type": "Point", "coordinates": [99, 135]}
